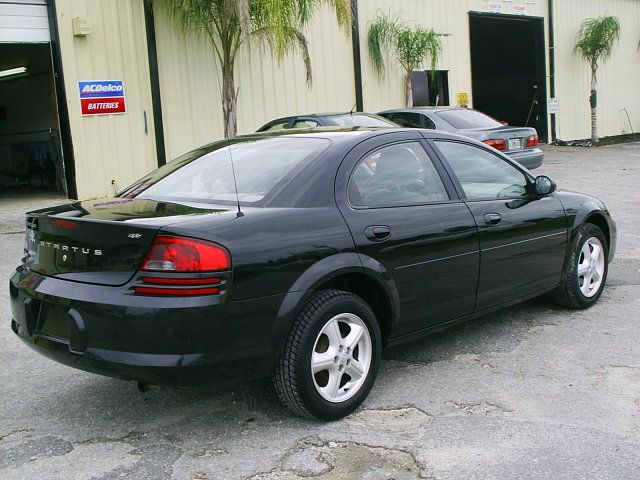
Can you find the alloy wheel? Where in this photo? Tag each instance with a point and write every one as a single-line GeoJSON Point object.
{"type": "Point", "coordinates": [591, 267]}
{"type": "Point", "coordinates": [341, 357]}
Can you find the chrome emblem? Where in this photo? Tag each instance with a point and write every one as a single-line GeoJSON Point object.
{"type": "Point", "coordinates": [134, 235]}
{"type": "Point", "coordinates": [64, 258]}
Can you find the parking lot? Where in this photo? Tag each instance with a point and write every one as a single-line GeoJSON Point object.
{"type": "Point", "coordinates": [534, 391]}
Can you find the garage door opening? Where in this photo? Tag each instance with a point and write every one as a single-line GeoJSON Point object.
{"type": "Point", "coordinates": [30, 152]}
{"type": "Point", "coordinates": [508, 69]}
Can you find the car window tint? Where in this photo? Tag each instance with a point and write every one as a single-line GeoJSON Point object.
{"type": "Point", "coordinates": [407, 119]}
{"type": "Point", "coordinates": [396, 175]}
{"type": "Point", "coordinates": [261, 167]}
{"type": "Point", "coordinates": [462, 119]}
{"type": "Point", "coordinates": [305, 124]}
{"type": "Point", "coordinates": [277, 126]}
{"type": "Point", "coordinates": [482, 174]}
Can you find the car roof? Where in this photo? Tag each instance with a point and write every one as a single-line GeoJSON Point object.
{"type": "Point", "coordinates": [347, 134]}
{"type": "Point", "coordinates": [319, 115]}
{"type": "Point", "coordinates": [432, 109]}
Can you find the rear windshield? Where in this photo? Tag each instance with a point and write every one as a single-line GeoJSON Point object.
{"type": "Point", "coordinates": [262, 167]}
{"type": "Point", "coordinates": [359, 120]}
{"type": "Point", "coordinates": [464, 119]}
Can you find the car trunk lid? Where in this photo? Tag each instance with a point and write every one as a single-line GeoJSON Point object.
{"type": "Point", "coordinates": [515, 138]}
{"type": "Point", "coordinates": [101, 242]}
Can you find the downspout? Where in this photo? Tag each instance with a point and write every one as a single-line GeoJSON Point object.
{"type": "Point", "coordinates": [552, 68]}
{"type": "Point", "coordinates": [355, 45]}
{"type": "Point", "coordinates": [154, 81]}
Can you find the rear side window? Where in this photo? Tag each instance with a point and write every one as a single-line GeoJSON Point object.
{"type": "Point", "coordinates": [360, 120]}
{"type": "Point", "coordinates": [276, 126]}
{"type": "Point", "coordinates": [262, 167]}
{"type": "Point", "coordinates": [305, 124]}
{"type": "Point", "coordinates": [396, 175]}
{"type": "Point", "coordinates": [407, 119]}
{"type": "Point", "coordinates": [463, 119]}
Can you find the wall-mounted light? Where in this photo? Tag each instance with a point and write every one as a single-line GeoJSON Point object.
{"type": "Point", "coordinates": [13, 71]}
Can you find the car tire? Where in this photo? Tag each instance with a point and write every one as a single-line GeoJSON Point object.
{"type": "Point", "coordinates": [585, 273]}
{"type": "Point", "coordinates": [337, 330]}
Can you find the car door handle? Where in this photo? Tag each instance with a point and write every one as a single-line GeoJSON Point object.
{"type": "Point", "coordinates": [377, 233]}
{"type": "Point", "coordinates": [492, 219]}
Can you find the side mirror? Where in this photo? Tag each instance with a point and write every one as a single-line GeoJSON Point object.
{"type": "Point", "coordinates": [544, 185]}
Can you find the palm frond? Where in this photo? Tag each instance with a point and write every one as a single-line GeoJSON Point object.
{"type": "Point", "coordinates": [596, 38]}
{"type": "Point", "coordinates": [382, 34]}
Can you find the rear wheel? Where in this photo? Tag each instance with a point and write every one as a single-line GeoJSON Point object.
{"type": "Point", "coordinates": [331, 357]}
{"type": "Point", "coordinates": [586, 270]}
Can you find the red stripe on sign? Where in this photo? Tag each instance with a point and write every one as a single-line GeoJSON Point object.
{"type": "Point", "coordinates": [99, 106]}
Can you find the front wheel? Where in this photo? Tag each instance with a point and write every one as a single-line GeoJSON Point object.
{"type": "Point", "coordinates": [331, 357]}
{"type": "Point", "coordinates": [586, 269]}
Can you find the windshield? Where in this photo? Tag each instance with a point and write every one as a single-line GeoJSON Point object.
{"type": "Point", "coordinates": [465, 119]}
{"type": "Point", "coordinates": [261, 168]}
{"type": "Point", "coordinates": [360, 120]}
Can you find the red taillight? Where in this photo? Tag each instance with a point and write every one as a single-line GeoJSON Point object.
{"type": "Point", "coordinates": [183, 254]}
{"type": "Point", "coordinates": [497, 143]}
{"type": "Point", "coordinates": [532, 141]}
{"type": "Point", "coordinates": [60, 223]}
{"type": "Point", "coordinates": [180, 281]}
{"type": "Point", "coordinates": [175, 292]}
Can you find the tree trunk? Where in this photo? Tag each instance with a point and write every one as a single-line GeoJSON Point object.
{"type": "Point", "coordinates": [407, 89]}
{"type": "Point", "coordinates": [593, 103]}
{"type": "Point", "coordinates": [229, 100]}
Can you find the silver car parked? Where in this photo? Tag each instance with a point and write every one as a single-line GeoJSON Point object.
{"type": "Point", "coordinates": [520, 143]}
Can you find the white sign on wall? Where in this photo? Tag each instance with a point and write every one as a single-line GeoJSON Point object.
{"type": "Point", "coordinates": [552, 106]}
{"type": "Point", "coordinates": [519, 10]}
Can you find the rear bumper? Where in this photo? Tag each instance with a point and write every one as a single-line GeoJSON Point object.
{"type": "Point", "coordinates": [199, 340]}
{"type": "Point", "coordinates": [529, 159]}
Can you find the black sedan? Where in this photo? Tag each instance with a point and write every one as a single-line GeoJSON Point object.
{"type": "Point", "coordinates": [336, 120]}
{"type": "Point", "coordinates": [520, 143]}
{"type": "Point", "coordinates": [300, 256]}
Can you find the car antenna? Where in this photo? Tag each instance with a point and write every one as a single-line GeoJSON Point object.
{"type": "Point", "coordinates": [235, 185]}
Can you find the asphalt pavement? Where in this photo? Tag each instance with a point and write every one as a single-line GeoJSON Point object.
{"type": "Point", "coordinates": [534, 391]}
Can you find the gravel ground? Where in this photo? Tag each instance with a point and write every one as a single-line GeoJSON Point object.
{"type": "Point", "coordinates": [534, 391]}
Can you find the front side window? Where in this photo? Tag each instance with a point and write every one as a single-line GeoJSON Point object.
{"type": "Point", "coordinates": [482, 174]}
{"type": "Point", "coordinates": [397, 175]}
{"type": "Point", "coordinates": [261, 168]}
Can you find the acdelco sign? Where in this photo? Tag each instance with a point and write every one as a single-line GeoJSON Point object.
{"type": "Point", "coordinates": [100, 97]}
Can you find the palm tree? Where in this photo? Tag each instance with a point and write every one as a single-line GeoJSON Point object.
{"type": "Point", "coordinates": [596, 38]}
{"type": "Point", "coordinates": [411, 45]}
{"type": "Point", "coordinates": [229, 25]}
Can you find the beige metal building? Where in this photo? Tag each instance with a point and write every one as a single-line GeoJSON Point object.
{"type": "Point", "coordinates": [509, 56]}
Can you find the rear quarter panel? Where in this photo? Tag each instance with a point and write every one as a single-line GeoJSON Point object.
{"type": "Point", "coordinates": [271, 247]}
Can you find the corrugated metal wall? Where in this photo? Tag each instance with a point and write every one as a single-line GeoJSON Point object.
{"type": "Point", "coordinates": [190, 83]}
{"type": "Point", "coordinates": [110, 146]}
{"type": "Point", "coordinates": [116, 147]}
{"type": "Point", "coordinates": [448, 17]}
{"type": "Point", "coordinates": [618, 78]}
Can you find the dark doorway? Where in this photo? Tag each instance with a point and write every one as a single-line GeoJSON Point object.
{"type": "Point", "coordinates": [30, 150]}
{"type": "Point", "coordinates": [430, 88]}
{"type": "Point", "coordinates": [508, 69]}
